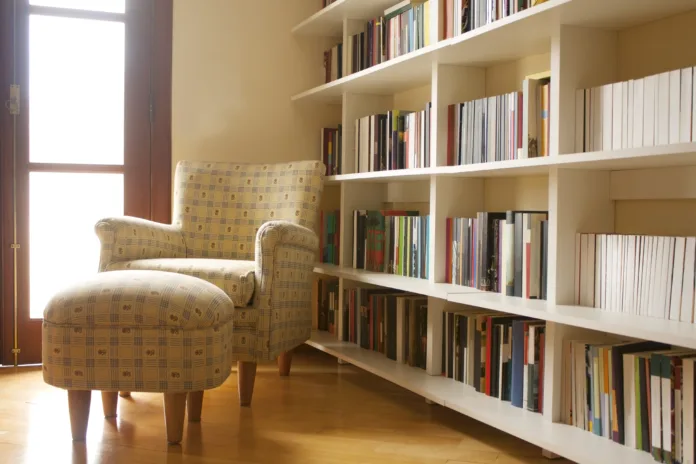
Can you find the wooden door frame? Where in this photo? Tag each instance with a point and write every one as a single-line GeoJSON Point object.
{"type": "Point", "coordinates": [147, 149]}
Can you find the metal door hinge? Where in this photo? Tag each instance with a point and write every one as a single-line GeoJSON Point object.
{"type": "Point", "coordinates": [13, 103]}
{"type": "Point", "coordinates": [16, 351]}
{"type": "Point", "coordinates": [15, 246]}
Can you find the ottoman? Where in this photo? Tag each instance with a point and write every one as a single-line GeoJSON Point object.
{"type": "Point", "coordinates": [138, 331]}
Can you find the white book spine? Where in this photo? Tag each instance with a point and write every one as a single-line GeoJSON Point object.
{"type": "Point", "coordinates": [597, 95]}
{"type": "Point", "coordinates": [655, 411]}
{"type": "Point", "coordinates": [687, 304]}
{"type": "Point", "coordinates": [638, 112]}
{"type": "Point", "coordinates": [693, 106]}
{"type": "Point", "coordinates": [686, 102]}
{"type": "Point", "coordinates": [607, 116]}
{"type": "Point", "coordinates": [650, 90]}
{"type": "Point", "coordinates": [624, 114]}
{"type": "Point", "coordinates": [617, 115]}
{"type": "Point", "coordinates": [629, 112]}
{"type": "Point", "coordinates": [662, 109]}
{"type": "Point", "coordinates": [667, 405]}
{"type": "Point", "coordinates": [629, 401]}
{"type": "Point", "coordinates": [589, 115]}
{"type": "Point", "coordinates": [677, 276]}
{"type": "Point", "coordinates": [579, 121]}
{"type": "Point", "coordinates": [674, 104]}
{"type": "Point", "coordinates": [688, 448]}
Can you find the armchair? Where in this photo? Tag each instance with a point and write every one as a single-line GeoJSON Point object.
{"type": "Point", "coordinates": [248, 229]}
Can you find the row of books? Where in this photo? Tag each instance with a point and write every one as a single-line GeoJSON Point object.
{"type": "Point", "coordinates": [497, 354]}
{"type": "Point", "coordinates": [393, 140]}
{"type": "Point", "coordinates": [333, 63]}
{"type": "Point", "coordinates": [639, 394]}
{"type": "Point", "coordinates": [325, 304]}
{"type": "Point", "coordinates": [387, 321]}
{"type": "Point", "coordinates": [499, 252]}
{"type": "Point", "coordinates": [332, 149]}
{"type": "Point", "coordinates": [407, 28]}
{"type": "Point", "coordinates": [330, 236]}
{"type": "Point", "coordinates": [655, 110]}
{"type": "Point", "coordinates": [634, 274]}
{"type": "Point", "coordinates": [403, 28]}
{"type": "Point", "coordinates": [393, 242]}
{"type": "Point", "coordinates": [462, 16]}
{"type": "Point", "coordinates": [504, 127]}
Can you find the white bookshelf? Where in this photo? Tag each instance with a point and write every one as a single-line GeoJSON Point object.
{"type": "Point", "coordinates": [564, 440]}
{"type": "Point", "coordinates": [646, 190]}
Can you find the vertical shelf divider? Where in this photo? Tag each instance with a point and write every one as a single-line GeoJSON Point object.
{"type": "Point", "coordinates": [451, 84]}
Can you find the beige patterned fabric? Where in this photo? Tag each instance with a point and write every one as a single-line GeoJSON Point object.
{"type": "Point", "coordinates": [263, 214]}
{"type": "Point", "coordinates": [235, 278]}
{"type": "Point", "coordinates": [220, 206]}
{"type": "Point", "coordinates": [129, 238]}
{"type": "Point", "coordinates": [141, 331]}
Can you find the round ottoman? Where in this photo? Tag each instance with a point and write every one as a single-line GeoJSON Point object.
{"type": "Point", "coordinates": [138, 331]}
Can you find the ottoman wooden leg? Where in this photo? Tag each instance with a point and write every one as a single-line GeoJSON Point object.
{"type": "Point", "coordinates": [78, 405]}
{"type": "Point", "coordinates": [194, 404]}
{"type": "Point", "coordinates": [284, 362]}
{"type": "Point", "coordinates": [246, 375]}
{"type": "Point", "coordinates": [174, 413]}
{"type": "Point", "coordinates": [124, 394]}
{"type": "Point", "coordinates": [110, 403]}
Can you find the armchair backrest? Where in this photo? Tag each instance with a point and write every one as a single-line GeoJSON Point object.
{"type": "Point", "coordinates": [220, 206]}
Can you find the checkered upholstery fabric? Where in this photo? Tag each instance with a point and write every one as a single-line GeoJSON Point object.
{"type": "Point", "coordinates": [235, 278]}
{"type": "Point", "coordinates": [260, 213]}
{"type": "Point", "coordinates": [129, 238]}
{"type": "Point", "coordinates": [220, 206]}
{"type": "Point", "coordinates": [285, 256]}
{"type": "Point", "coordinates": [141, 331]}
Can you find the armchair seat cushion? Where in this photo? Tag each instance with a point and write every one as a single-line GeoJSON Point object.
{"type": "Point", "coordinates": [235, 278]}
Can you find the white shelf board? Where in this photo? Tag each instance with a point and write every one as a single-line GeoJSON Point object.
{"type": "Point", "coordinates": [673, 332]}
{"type": "Point", "coordinates": [393, 76]}
{"type": "Point", "coordinates": [328, 22]}
{"type": "Point", "coordinates": [407, 284]}
{"type": "Point", "coordinates": [564, 440]}
{"type": "Point", "coordinates": [523, 34]}
{"type": "Point", "coordinates": [679, 154]}
{"type": "Point", "coordinates": [682, 154]}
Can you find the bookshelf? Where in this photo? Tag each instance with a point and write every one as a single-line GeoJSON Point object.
{"type": "Point", "coordinates": [643, 190]}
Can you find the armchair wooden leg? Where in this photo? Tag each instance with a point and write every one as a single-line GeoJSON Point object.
{"type": "Point", "coordinates": [284, 362]}
{"type": "Point", "coordinates": [194, 404]}
{"type": "Point", "coordinates": [110, 404]}
{"type": "Point", "coordinates": [174, 413]}
{"type": "Point", "coordinates": [246, 375]}
{"type": "Point", "coordinates": [78, 405]}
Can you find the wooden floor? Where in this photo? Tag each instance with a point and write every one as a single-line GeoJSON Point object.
{"type": "Point", "coordinates": [322, 414]}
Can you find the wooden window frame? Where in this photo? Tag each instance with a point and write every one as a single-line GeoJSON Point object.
{"type": "Point", "coordinates": [147, 151]}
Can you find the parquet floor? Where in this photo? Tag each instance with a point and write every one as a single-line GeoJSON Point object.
{"type": "Point", "coordinates": [322, 414]}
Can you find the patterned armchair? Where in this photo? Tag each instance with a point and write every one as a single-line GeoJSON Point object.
{"type": "Point", "coordinates": [247, 228]}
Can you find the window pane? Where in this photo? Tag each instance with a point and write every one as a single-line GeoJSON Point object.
{"type": "Point", "coordinates": [76, 93]}
{"type": "Point", "coordinates": [63, 248]}
{"type": "Point", "coordinates": [111, 6]}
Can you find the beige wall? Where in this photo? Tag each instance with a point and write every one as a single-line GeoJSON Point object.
{"type": "Point", "coordinates": [235, 67]}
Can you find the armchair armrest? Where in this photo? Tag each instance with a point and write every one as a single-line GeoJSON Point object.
{"type": "Point", "coordinates": [285, 257]}
{"type": "Point", "coordinates": [128, 238]}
